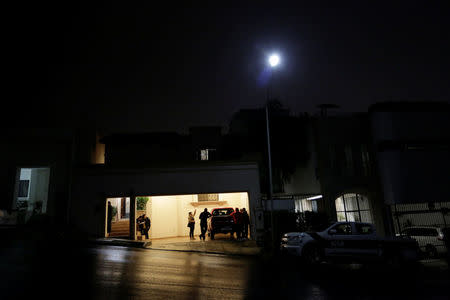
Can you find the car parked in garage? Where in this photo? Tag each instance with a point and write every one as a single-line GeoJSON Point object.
{"type": "Point", "coordinates": [221, 221]}
{"type": "Point", "coordinates": [430, 239]}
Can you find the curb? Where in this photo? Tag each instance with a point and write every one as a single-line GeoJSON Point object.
{"type": "Point", "coordinates": [205, 252]}
{"type": "Point", "coordinates": [147, 246]}
{"type": "Point", "coordinates": [119, 243]}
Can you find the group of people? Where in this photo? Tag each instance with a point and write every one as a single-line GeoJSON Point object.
{"type": "Point", "coordinates": [143, 223]}
{"type": "Point", "coordinates": [241, 221]}
{"type": "Point", "coordinates": [240, 218]}
{"type": "Point", "coordinates": [203, 223]}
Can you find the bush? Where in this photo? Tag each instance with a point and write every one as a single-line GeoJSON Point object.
{"type": "Point", "coordinates": [141, 203]}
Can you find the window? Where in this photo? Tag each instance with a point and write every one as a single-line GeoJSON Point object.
{"type": "Point", "coordinates": [353, 208]}
{"type": "Point", "coordinates": [303, 204]}
{"type": "Point", "coordinates": [207, 154]}
{"type": "Point", "coordinates": [343, 228]}
{"type": "Point", "coordinates": [204, 154]}
{"type": "Point", "coordinates": [23, 188]}
{"type": "Point", "coordinates": [222, 211]}
{"type": "Point", "coordinates": [208, 197]}
{"type": "Point", "coordinates": [363, 228]}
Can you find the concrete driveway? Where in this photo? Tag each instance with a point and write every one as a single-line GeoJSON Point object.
{"type": "Point", "coordinates": [222, 244]}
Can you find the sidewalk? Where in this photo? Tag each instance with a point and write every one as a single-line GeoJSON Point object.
{"type": "Point", "coordinates": [218, 246]}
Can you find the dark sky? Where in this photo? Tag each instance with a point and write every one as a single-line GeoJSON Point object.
{"type": "Point", "coordinates": [140, 66]}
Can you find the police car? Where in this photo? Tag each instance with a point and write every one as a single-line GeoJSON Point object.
{"type": "Point", "coordinates": [348, 241]}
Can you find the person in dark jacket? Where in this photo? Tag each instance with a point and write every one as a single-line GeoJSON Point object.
{"type": "Point", "coordinates": [237, 219]}
{"type": "Point", "coordinates": [204, 222]}
{"type": "Point", "coordinates": [245, 223]}
{"type": "Point", "coordinates": [147, 225]}
{"type": "Point", "coordinates": [109, 217]}
{"type": "Point", "coordinates": [140, 224]}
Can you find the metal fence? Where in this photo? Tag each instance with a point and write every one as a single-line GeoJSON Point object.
{"type": "Point", "coordinates": [424, 222]}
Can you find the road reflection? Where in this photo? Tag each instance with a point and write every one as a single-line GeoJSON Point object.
{"type": "Point", "coordinates": [175, 275]}
{"type": "Point", "coordinates": [66, 271]}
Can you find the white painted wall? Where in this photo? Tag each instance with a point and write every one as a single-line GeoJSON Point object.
{"type": "Point", "coordinates": [165, 217]}
{"type": "Point", "coordinates": [25, 174]}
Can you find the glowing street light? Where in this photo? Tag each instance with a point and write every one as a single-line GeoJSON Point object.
{"type": "Point", "coordinates": [274, 60]}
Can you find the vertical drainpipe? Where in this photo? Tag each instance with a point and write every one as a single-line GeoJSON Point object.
{"type": "Point", "coordinates": [132, 215]}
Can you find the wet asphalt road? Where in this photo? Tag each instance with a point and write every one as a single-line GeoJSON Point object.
{"type": "Point", "coordinates": [31, 271]}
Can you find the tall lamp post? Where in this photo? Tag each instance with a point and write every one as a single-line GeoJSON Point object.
{"type": "Point", "coordinates": [274, 60]}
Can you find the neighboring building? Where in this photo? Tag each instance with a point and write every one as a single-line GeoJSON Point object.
{"type": "Point", "coordinates": [37, 168]}
{"type": "Point", "coordinates": [346, 172]}
{"type": "Point", "coordinates": [412, 147]}
{"type": "Point", "coordinates": [303, 191]}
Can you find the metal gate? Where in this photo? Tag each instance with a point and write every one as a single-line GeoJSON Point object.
{"type": "Point", "coordinates": [424, 222]}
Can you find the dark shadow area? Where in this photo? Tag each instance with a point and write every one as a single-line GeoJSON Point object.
{"type": "Point", "coordinates": [284, 277]}
{"type": "Point", "coordinates": [42, 259]}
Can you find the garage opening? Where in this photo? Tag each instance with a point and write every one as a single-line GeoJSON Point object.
{"type": "Point", "coordinates": [169, 214]}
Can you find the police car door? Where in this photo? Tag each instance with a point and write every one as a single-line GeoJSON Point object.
{"type": "Point", "coordinates": [365, 241]}
{"type": "Point", "coordinates": [338, 238]}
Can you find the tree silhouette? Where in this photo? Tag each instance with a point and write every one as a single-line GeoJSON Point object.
{"type": "Point", "coordinates": [247, 140]}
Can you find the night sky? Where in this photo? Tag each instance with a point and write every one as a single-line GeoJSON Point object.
{"type": "Point", "coordinates": [145, 67]}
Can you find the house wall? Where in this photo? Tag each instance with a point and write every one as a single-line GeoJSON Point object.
{"type": "Point", "coordinates": [305, 179]}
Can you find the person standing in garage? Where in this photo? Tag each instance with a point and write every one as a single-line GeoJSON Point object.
{"type": "Point", "coordinates": [245, 223]}
{"type": "Point", "coordinates": [191, 224]}
{"type": "Point", "coordinates": [237, 219]}
{"type": "Point", "coordinates": [110, 211]}
{"type": "Point", "coordinates": [147, 225]}
{"type": "Point", "coordinates": [204, 222]}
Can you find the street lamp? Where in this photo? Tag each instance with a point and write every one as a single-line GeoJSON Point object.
{"type": "Point", "coordinates": [274, 60]}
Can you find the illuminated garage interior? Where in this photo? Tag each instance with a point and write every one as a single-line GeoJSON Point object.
{"type": "Point", "coordinates": [169, 214]}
